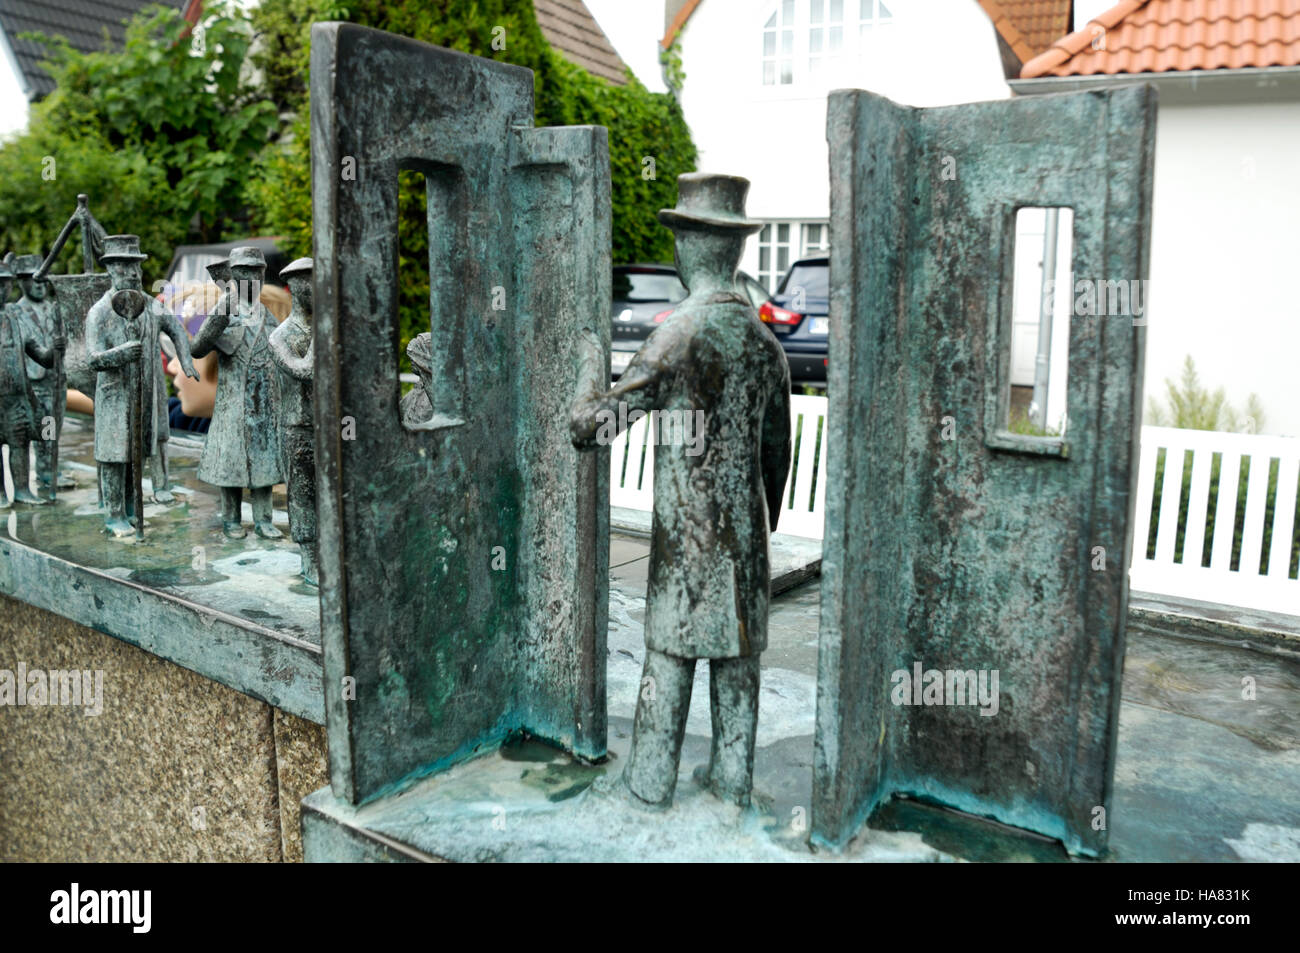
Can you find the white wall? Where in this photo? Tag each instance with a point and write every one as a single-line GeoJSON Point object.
{"type": "Point", "coordinates": [1225, 254]}
{"type": "Point", "coordinates": [936, 52]}
{"type": "Point", "coordinates": [13, 100]}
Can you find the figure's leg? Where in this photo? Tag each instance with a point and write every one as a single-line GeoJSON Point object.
{"type": "Point", "coordinates": [113, 483]}
{"type": "Point", "coordinates": [733, 701]}
{"type": "Point", "coordinates": [158, 472]}
{"type": "Point", "coordinates": [20, 468]}
{"type": "Point", "coordinates": [44, 444]}
{"type": "Point", "coordinates": [4, 494]}
{"type": "Point", "coordinates": [231, 524]}
{"type": "Point", "coordinates": [262, 524]}
{"type": "Point", "coordinates": [659, 727]}
{"type": "Point", "coordinates": [302, 501]}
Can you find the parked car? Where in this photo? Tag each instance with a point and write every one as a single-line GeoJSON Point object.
{"type": "Point", "coordinates": [646, 294]}
{"type": "Point", "coordinates": [799, 316]}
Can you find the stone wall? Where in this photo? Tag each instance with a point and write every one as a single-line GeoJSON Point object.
{"type": "Point", "coordinates": [176, 767]}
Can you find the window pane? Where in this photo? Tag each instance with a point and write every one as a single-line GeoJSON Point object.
{"type": "Point", "coordinates": [837, 38]}
{"type": "Point", "coordinates": [769, 44]}
{"type": "Point", "coordinates": [783, 257]}
{"type": "Point", "coordinates": [837, 11]}
{"type": "Point", "coordinates": [814, 42]}
{"type": "Point", "coordinates": [787, 12]}
{"type": "Point", "coordinates": [884, 13]}
{"type": "Point", "coordinates": [864, 10]}
{"type": "Point", "coordinates": [815, 11]}
{"type": "Point", "coordinates": [764, 255]}
{"type": "Point", "coordinates": [769, 73]}
{"type": "Point", "coordinates": [771, 22]}
{"type": "Point", "coordinates": [787, 75]}
{"type": "Point", "coordinates": [783, 234]}
{"type": "Point", "coordinates": [787, 42]}
{"type": "Point", "coordinates": [765, 234]}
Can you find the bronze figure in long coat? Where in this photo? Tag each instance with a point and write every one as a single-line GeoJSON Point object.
{"type": "Point", "coordinates": [720, 386]}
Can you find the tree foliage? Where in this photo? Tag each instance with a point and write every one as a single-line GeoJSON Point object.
{"type": "Point", "coordinates": [642, 125]}
{"type": "Point", "coordinates": [161, 135]}
{"type": "Point", "coordinates": [1190, 406]}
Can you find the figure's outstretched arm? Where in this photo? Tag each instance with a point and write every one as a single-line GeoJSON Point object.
{"type": "Point", "coordinates": [213, 327]}
{"type": "Point", "coordinates": [776, 447]}
{"type": "Point", "coordinates": [100, 357]}
{"type": "Point", "coordinates": [638, 389]}
{"type": "Point", "coordinates": [172, 327]}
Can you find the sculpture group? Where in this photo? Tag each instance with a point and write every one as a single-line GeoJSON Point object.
{"type": "Point", "coordinates": [261, 429]}
{"type": "Point", "coordinates": [460, 535]}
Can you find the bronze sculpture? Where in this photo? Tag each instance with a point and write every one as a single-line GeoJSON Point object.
{"type": "Point", "coordinates": [39, 314]}
{"type": "Point", "coordinates": [242, 448]}
{"type": "Point", "coordinates": [708, 590]}
{"type": "Point", "coordinates": [293, 353]}
{"type": "Point", "coordinates": [417, 405]}
{"type": "Point", "coordinates": [19, 424]}
{"type": "Point", "coordinates": [130, 387]}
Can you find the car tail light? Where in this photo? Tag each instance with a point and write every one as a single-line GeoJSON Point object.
{"type": "Point", "coordinates": [775, 314]}
{"type": "Point", "coordinates": [663, 314]}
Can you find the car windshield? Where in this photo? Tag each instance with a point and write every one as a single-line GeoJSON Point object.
{"type": "Point", "coordinates": [648, 286]}
{"type": "Point", "coordinates": [813, 279]}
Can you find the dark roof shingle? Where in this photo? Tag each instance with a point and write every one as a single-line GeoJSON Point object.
{"type": "Point", "coordinates": [571, 29]}
{"type": "Point", "coordinates": [81, 22]}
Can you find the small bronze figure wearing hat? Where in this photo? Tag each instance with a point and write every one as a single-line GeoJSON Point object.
{"type": "Point", "coordinates": [19, 423]}
{"type": "Point", "coordinates": [122, 347]}
{"type": "Point", "coordinates": [293, 353]}
{"type": "Point", "coordinates": [715, 499]}
{"type": "Point", "coordinates": [38, 310]}
{"type": "Point", "coordinates": [243, 447]}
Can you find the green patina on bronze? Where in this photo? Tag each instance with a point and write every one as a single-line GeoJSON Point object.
{"type": "Point", "coordinates": [977, 552]}
{"type": "Point", "coordinates": [463, 548]}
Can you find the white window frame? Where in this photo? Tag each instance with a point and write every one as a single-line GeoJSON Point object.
{"type": "Point", "coordinates": [795, 246]}
{"type": "Point", "coordinates": [808, 42]}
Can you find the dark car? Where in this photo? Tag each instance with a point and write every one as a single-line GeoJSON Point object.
{"type": "Point", "coordinates": [646, 294]}
{"type": "Point", "coordinates": [799, 316]}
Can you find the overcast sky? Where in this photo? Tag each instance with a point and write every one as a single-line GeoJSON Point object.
{"type": "Point", "coordinates": [634, 27]}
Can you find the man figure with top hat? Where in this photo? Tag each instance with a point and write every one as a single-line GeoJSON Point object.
{"type": "Point", "coordinates": [124, 351]}
{"type": "Point", "coordinates": [37, 309]}
{"type": "Point", "coordinates": [19, 424]}
{"type": "Point", "coordinates": [291, 349]}
{"type": "Point", "coordinates": [708, 590]}
{"type": "Point", "coordinates": [242, 449]}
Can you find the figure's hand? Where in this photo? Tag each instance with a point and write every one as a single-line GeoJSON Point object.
{"type": "Point", "coordinates": [188, 367]}
{"type": "Point", "coordinates": [130, 351]}
{"type": "Point", "coordinates": [60, 340]}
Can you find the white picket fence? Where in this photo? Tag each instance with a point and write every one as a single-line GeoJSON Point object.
{"type": "Point", "coordinates": [632, 486]}
{"type": "Point", "coordinates": [631, 469]}
{"type": "Point", "coordinates": [1274, 590]}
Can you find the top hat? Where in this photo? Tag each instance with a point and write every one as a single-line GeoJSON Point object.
{"type": "Point", "coordinates": [709, 202]}
{"type": "Point", "coordinates": [247, 256]}
{"type": "Point", "coordinates": [122, 248]}
{"type": "Point", "coordinates": [299, 266]}
{"type": "Point", "coordinates": [26, 265]}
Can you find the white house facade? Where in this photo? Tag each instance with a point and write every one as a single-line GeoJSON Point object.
{"type": "Point", "coordinates": [758, 73]}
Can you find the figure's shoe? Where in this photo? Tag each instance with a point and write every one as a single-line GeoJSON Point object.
{"type": "Point", "coordinates": [119, 528]}
{"type": "Point", "coordinates": [234, 530]}
{"type": "Point", "coordinates": [264, 529]}
{"type": "Point", "coordinates": [164, 496]}
{"type": "Point", "coordinates": [703, 776]}
{"type": "Point", "coordinates": [310, 574]}
{"type": "Point", "coordinates": [618, 789]}
{"type": "Point", "coordinates": [27, 496]}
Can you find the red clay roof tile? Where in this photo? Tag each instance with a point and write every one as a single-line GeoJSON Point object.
{"type": "Point", "coordinates": [1156, 36]}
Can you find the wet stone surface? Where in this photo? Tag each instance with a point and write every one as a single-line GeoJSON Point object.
{"type": "Point", "coordinates": [184, 552]}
